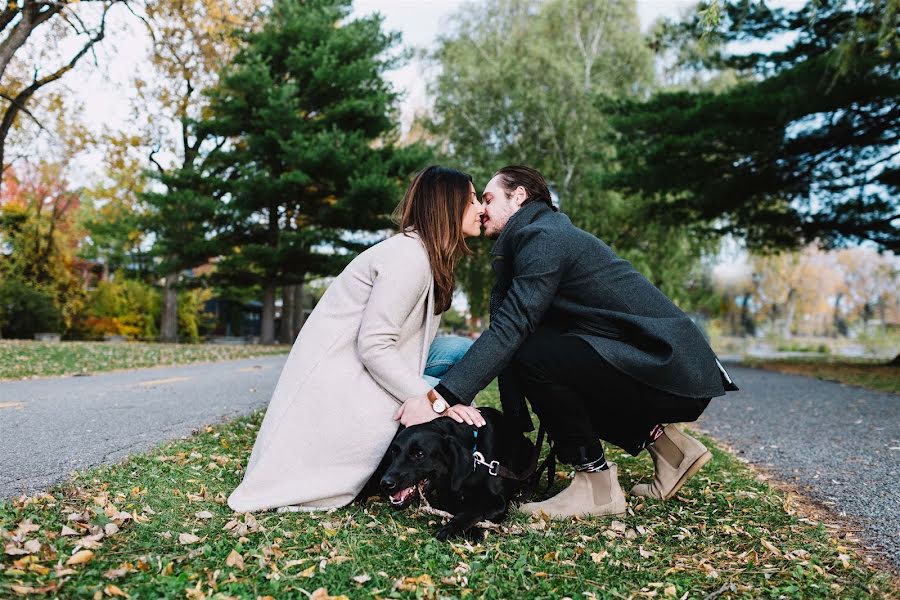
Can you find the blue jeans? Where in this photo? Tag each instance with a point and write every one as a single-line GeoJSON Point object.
{"type": "Point", "coordinates": [445, 351]}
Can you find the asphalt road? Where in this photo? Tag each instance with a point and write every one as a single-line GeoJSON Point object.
{"type": "Point", "coordinates": [50, 427]}
{"type": "Point", "coordinates": [839, 444]}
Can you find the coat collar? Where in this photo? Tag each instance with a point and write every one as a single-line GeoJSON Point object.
{"type": "Point", "coordinates": [522, 217]}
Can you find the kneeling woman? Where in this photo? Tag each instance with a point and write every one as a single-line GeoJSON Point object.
{"type": "Point", "coordinates": [362, 355]}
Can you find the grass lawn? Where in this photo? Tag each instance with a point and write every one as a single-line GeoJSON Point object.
{"type": "Point", "coordinates": [868, 374]}
{"type": "Point", "coordinates": [157, 526]}
{"type": "Point", "coordinates": [25, 358]}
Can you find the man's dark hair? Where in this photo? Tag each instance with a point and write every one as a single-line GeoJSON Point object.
{"type": "Point", "coordinates": [534, 184]}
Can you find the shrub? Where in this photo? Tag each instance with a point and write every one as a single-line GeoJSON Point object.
{"type": "Point", "coordinates": [26, 310]}
{"type": "Point", "coordinates": [193, 322]}
{"type": "Point", "coordinates": [122, 307]}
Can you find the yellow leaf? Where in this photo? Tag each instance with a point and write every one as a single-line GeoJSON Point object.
{"type": "Point", "coordinates": [114, 590]}
{"type": "Point", "coordinates": [670, 591]}
{"type": "Point", "coordinates": [80, 557]}
{"type": "Point", "coordinates": [309, 572]}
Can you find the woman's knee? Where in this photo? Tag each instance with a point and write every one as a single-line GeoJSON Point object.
{"type": "Point", "coordinates": [446, 351]}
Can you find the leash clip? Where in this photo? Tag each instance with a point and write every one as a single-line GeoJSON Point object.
{"type": "Point", "coordinates": [493, 466]}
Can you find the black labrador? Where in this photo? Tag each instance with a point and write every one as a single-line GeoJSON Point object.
{"type": "Point", "coordinates": [439, 458]}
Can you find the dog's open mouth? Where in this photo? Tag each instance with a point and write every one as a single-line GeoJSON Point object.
{"type": "Point", "coordinates": [403, 498]}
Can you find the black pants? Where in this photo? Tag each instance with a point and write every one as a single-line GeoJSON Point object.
{"type": "Point", "coordinates": [580, 398]}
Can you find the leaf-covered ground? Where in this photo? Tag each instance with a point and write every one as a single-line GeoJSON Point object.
{"type": "Point", "coordinates": [25, 358]}
{"type": "Point", "coordinates": [868, 374]}
{"type": "Point", "coordinates": [158, 526]}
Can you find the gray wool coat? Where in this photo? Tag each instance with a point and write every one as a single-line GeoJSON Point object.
{"type": "Point", "coordinates": [546, 268]}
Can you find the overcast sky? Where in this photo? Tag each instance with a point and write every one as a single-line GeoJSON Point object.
{"type": "Point", "coordinates": [105, 90]}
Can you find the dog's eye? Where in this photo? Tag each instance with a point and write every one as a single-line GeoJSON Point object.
{"type": "Point", "coordinates": [418, 454]}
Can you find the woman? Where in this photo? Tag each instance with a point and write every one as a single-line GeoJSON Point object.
{"type": "Point", "coordinates": [362, 353]}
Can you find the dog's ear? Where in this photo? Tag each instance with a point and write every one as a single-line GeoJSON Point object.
{"type": "Point", "coordinates": [459, 462]}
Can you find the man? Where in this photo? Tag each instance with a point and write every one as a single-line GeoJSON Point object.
{"type": "Point", "coordinates": [597, 349]}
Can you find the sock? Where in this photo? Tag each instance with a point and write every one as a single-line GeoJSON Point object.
{"type": "Point", "coordinates": [654, 434]}
{"type": "Point", "coordinates": [591, 466]}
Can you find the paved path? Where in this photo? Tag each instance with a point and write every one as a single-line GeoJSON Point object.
{"type": "Point", "coordinates": [839, 443]}
{"type": "Point", "coordinates": [49, 427]}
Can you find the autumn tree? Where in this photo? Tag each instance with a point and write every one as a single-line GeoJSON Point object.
{"type": "Point", "coordinates": [39, 226]}
{"type": "Point", "coordinates": [192, 42]}
{"type": "Point", "coordinates": [34, 36]}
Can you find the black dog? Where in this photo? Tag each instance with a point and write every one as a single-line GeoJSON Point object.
{"type": "Point", "coordinates": [438, 458]}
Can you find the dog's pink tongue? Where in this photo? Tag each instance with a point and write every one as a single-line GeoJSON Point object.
{"type": "Point", "coordinates": [402, 495]}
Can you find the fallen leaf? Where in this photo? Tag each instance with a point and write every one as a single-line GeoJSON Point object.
{"type": "Point", "coordinates": [322, 594]}
{"type": "Point", "coordinates": [24, 528]}
{"type": "Point", "coordinates": [235, 560]}
{"type": "Point", "coordinates": [670, 591]}
{"type": "Point", "coordinates": [26, 590]}
{"type": "Point", "coordinates": [308, 572]}
{"type": "Point", "coordinates": [771, 547]}
{"type": "Point", "coordinates": [66, 530]}
{"type": "Point", "coordinates": [32, 546]}
{"type": "Point", "coordinates": [361, 578]}
{"type": "Point", "coordinates": [187, 538]}
{"type": "Point", "coordinates": [203, 514]}
{"type": "Point", "coordinates": [598, 557]}
{"type": "Point", "coordinates": [114, 590]}
{"type": "Point", "coordinates": [80, 557]}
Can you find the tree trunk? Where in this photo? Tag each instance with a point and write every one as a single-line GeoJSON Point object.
{"type": "Point", "coordinates": [168, 327]}
{"type": "Point", "coordinates": [789, 318]}
{"type": "Point", "coordinates": [286, 332]}
{"type": "Point", "coordinates": [299, 308]}
{"type": "Point", "coordinates": [267, 335]}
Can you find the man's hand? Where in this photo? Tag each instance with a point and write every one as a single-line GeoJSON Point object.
{"type": "Point", "coordinates": [414, 411]}
{"type": "Point", "coordinates": [465, 413]}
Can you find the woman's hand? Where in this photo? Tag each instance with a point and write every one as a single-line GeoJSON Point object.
{"type": "Point", "coordinates": [465, 413]}
{"type": "Point", "coordinates": [414, 411]}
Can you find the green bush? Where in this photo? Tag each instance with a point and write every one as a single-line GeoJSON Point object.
{"type": "Point", "coordinates": [26, 310]}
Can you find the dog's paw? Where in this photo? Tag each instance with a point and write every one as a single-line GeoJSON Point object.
{"type": "Point", "coordinates": [475, 534]}
{"type": "Point", "coordinates": [445, 533]}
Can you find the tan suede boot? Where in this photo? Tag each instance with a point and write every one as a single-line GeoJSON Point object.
{"type": "Point", "coordinates": [676, 457]}
{"type": "Point", "coordinates": [589, 494]}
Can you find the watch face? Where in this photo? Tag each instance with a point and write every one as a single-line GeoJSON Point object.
{"type": "Point", "coordinates": [439, 405]}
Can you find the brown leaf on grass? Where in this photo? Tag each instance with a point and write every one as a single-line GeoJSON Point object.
{"type": "Point", "coordinates": [114, 590]}
{"type": "Point", "coordinates": [361, 578]}
{"type": "Point", "coordinates": [187, 538]}
{"type": "Point", "coordinates": [32, 546]}
{"type": "Point", "coordinates": [13, 549]}
{"type": "Point", "coordinates": [123, 570]}
{"type": "Point", "coordinates": [203, 514]}
{"type": "Point", "coordinates": [27, 590]}
{"type": "Point", "coordinates": [771, 547]}
{"type": "Point", "coordinates": [24, 528]}
{"type": "Point", "coordinates": [598, 557]}
{"type": "Point", "coordinates": [66, 530]}
{"type": "Point", "coordinates": [235, 560]}
{"type": "Point", "coordinates": [309, 572]}
{"type": "Point", "coordinates": [322, 594]}
{"type": "Point", "coordinates": [670, 591]}
{"type": "Point", "coordinates": [80, 557]}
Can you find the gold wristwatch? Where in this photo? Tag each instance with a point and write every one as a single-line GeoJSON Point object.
{"type": "Point", "coordinates": [438, 404]}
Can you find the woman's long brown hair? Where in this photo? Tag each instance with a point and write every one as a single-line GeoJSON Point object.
{"type": "Point", "coordinates": [433, 207]}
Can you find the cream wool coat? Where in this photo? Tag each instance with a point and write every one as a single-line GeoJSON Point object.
{"type": "Point", "coordinates": [360, 353]}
